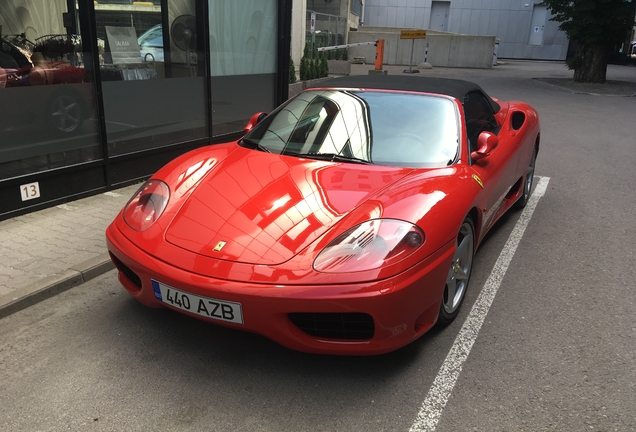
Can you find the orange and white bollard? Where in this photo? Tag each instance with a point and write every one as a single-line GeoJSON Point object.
{"type": "Point", "coordinates": [379, 54]}
{"type": "Point", "coordinates": [379, 58]}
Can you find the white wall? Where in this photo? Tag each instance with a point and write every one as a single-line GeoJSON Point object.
{"type": "Point", "coordinates": [445, 49]}
{"type": "Point", "coordinates": [299, 25]}
{"type": "Point", "coordinates": [507, 20]}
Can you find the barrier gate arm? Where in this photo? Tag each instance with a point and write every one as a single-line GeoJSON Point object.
{"type": "Point", "coordinates": [379, 50]}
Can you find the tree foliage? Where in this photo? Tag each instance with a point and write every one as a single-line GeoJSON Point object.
{"type": "Point", "coordinates": [596, 26]}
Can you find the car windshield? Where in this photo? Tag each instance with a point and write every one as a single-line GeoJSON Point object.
{"type": "Point", "coordinates": [379, 127]}
{"type": "Point", "coordinates": [153, 37]}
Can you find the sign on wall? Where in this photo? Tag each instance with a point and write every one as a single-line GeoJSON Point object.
{"type": "Point", "coordinates": [123, 45]}
{"type": "Point", "coordinates": [413, 34]}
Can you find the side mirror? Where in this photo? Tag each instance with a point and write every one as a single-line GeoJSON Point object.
{"type": "Point", "coordinates": [256, 119]}
{"type": "Point", "coordinates": [486, 143]}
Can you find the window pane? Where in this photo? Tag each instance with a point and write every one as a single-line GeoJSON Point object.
{"type": "Point", "coordinates": [154, 95]}
{"type": "Point", "coordinates": [47, 104]}
{"type": "Point", "coordinates": [243, 61]}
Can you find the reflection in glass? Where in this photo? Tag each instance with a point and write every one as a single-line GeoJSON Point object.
{"type": "Point", "coordinates": [154, 94]}
{"type": "Point", "coordinates": [151, 45]}
{"type": "Point", "coordinates": [46, 97]}
{"type": "Point", "coordinates": [243, 42]}
{"type": "Point", "coordinates": [378, 127]}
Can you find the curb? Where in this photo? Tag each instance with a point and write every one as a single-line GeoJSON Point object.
{"type": "Point", "coordinates": [50, 286]}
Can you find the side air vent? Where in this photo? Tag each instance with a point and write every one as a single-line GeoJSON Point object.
{"type": "Point", "coordinates": [518, 118]}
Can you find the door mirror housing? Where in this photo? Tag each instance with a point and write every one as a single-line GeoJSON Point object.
{"type": "Point", "coordinates": [486, 143]}
{"type": "Point", "coordinates": [254, 120]}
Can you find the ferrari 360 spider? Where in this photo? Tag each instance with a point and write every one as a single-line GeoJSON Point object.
{"type": "Point", "coordinates": [343, 222]}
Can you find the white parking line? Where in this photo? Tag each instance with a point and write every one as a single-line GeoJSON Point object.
{"type": "Point", "coordinates": [432, 407]}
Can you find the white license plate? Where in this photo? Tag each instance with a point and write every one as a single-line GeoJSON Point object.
{"type": "Point", "coordinates": [208, 307]}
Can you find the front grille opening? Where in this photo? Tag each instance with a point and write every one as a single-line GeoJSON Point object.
{"type": "Point", "coordinates": [350, 325]}
{"type": "Point", "coordinates": [127, 271]}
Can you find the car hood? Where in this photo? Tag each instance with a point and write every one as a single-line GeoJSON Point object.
{"type": "Point", "coordinates": [263, 208]}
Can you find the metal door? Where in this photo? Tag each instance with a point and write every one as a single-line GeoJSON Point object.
{"type": "Point", "coordinates": [439, 15]}
{"type": "Point", "coordinates": [537, 27]}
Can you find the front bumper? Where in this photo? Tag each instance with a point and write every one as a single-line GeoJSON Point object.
{"type": "Point", "coordinates": [402, 307]}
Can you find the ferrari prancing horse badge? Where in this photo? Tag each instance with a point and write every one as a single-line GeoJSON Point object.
{"type": "Point", "coordinates": [478, 180]}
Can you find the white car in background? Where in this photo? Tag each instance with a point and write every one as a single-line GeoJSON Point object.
{"type": "Point", "coordinates": [151, 44]}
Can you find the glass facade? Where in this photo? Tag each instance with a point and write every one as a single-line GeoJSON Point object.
{"type": "Point", "coordinates": [95, 94]}
{"type": "Point", "coordinates": [330, 22]}
{"type": "Point", "coordinates": [243, 50]}
{"type": "Point", "coordinates": [47, 98]}
{"type": "Point", "coordinates": [152, 80]}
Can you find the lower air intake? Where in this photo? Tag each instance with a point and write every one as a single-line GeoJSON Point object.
{"type": "Point", "coordinates": [127, 271]}
{"type": "Point", "coordinates": [357, 326]}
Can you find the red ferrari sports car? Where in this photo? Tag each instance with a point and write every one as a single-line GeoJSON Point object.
{"type": "Point", "coordinates": [344, 222]}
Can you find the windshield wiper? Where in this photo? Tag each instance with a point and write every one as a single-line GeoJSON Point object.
{"type": "Point", "coordinates": [334, 157]}
{"type": "Point", "coordinates": [254, 145]}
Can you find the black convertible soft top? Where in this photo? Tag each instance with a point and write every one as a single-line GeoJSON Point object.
{"type": "Point", "coordinates": [445, 86]}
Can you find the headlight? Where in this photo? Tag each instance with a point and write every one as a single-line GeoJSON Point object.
{"type": "Point", "coordinates": [372, 244]}
{"type": "Point", "coordinates": [145, 207]}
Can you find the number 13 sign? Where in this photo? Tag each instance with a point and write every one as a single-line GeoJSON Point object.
{"type": "Point", "coordinates": [30, 191]}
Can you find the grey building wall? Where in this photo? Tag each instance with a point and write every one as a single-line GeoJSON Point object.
{"type": "Point", "coordinates": [508, 20]}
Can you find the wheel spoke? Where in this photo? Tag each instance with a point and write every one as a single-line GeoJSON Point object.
{"type": "Point", "coordinates": [530, 175]}
{"type": "Point", "coordinates": [459, 273]}
{"type": "Point", "coordinates": [462, 274]}
{"type": "Point", "coordinates": [66, 114]}
{"type": "Point", "coordinates": [462, 250]}
{"type": "Point", "coordinates": [451, 291]}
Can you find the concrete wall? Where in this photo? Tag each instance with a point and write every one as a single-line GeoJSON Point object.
{"type": "Point", "coordinates": [298, 28]}
{"type": "Point", "coordinates": [445, 49]}
{"type": "Point", "coordinates": [507, 20]}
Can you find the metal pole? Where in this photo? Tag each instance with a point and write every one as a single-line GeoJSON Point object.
{"type": "Point", "coordinates": [410, 69]}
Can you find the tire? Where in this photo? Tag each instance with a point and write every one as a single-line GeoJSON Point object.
{"type": "Point", "coordinates": [528, 182]}
{"type": "Point", "coordinates": [65, 113]}
{"type": "Point", "coordinates": [458, 274]}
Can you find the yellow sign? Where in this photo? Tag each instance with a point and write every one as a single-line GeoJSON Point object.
{"type": "Point", "coordinates": [478, 180]}
{"type": "Point", "coordinates": [413, 34]}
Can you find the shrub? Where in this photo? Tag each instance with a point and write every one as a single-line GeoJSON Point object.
{"type": "Point", "coordinates": [324, 66]}
{"type": "Point", "coordinates": [292, 71]}
{"type": "Point", "coordinates": [304, 69]}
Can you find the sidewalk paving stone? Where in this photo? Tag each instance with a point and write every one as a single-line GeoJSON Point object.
{"type": "Point", "coordinates": [45, 252]}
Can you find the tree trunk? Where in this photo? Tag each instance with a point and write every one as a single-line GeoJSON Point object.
{"type": "Point", "coordinates": [591, 64]}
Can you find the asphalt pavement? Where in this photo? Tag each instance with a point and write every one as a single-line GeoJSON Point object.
{"type": "Point", "coordinates": [47, 252]}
